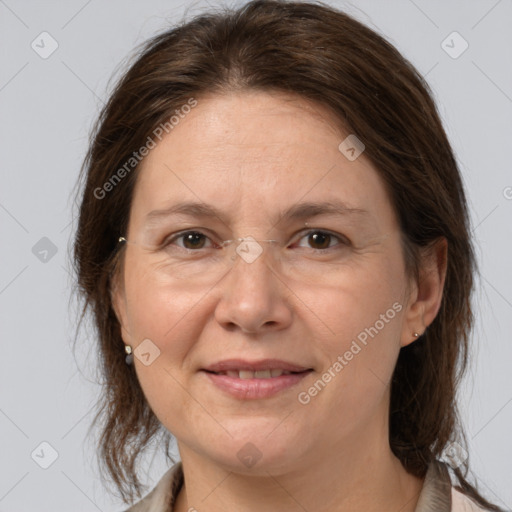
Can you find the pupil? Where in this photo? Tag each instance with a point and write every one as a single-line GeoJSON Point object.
{"type": "Point", "coordinates": [316, 237]}
{"type": "Point", "coordinates": [191, 237]}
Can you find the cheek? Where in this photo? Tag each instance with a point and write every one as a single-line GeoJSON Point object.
{"type": "Point", "coordinates": [156, 310]}
{"type": "Point", "coordinates": [171, 320]}
{"type": "Point", "coordinates": [367, 296]}
{"type": "Point", "coordinates": [359, 333]}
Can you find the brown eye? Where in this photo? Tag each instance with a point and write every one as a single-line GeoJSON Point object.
{"type": "Point", "coordinates": [191, 240]}
{"type": "Point", "coordinates": [320, 240]}
{"type": "Point", "coordinates": [195, 239]}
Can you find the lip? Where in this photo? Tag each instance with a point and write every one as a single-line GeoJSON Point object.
{"type": "Point", "coordinates": [262, 364]}
{"type": "Point", "coordinates": [255, 389]}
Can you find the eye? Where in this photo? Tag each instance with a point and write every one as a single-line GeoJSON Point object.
{"type": "Point", "coordinates": [191, 240]}
{"type": "Point", "coordinates": [322, 239]}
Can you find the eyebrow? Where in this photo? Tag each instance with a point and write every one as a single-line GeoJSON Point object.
{"type": "Point", "coordinates": [298, 211]}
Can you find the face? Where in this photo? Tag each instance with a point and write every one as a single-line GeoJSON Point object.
{"type": "Point", "coordinates": [329, 297]}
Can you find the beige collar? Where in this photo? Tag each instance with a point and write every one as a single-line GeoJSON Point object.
{"type": "Point", "coordinates": [436, 494]}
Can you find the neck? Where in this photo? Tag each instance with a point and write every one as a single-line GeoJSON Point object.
{"type": "Point", "coordinates": [364, 476]}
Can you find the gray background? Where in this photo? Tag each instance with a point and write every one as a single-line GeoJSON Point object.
{"type": "Point", "coordinates": [47, 107]}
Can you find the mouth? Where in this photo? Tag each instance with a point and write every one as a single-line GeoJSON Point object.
{"type": "Point", "coordinates": [261, 374]}
{"type": "Point", "coordinates": [255, 385]}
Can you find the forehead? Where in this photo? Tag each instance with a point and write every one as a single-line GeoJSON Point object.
{"type": "Point", "coordinates": [249, 153]}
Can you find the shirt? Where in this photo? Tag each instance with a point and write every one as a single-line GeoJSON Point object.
{"type": "Point", "coordinates": [437, 493]}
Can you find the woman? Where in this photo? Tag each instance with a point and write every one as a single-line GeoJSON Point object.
{"type": "Point", "coordinates": [274, 242]}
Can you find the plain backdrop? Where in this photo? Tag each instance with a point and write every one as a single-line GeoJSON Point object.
{"type": "Point", "coordinates": [47, 107]}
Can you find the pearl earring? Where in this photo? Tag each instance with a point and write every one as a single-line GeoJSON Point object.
{"type": "Point", "coordinates": [129, 355]}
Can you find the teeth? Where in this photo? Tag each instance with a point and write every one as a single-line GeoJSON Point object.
{"type": "Point", "coordinates": [246, 374]}
{"type": "Point", "coordinates": [260, 374]}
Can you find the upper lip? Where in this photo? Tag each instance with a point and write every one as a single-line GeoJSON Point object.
{"type": "Point", "coordinates": [263, 364]}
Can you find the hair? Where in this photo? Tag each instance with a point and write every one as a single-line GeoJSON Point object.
{"type": "Point", "coordinates": [326, 56]}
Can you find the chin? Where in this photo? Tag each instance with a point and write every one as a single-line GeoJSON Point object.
{"type": "Point", "coordinates": [258, 452]}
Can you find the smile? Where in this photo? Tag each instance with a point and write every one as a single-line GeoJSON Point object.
{"type": "Point", "coordinates": [248, 374]}
{"type": "Point", "coordinates": [253, 385]}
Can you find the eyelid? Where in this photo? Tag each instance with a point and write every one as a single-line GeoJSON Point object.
{"type": "Point", "coordinates": [342, 238]}
{"type": "Point", "coordinates": [178, 235]}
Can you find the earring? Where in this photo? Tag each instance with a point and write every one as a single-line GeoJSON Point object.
{"type": "Point", "coordinates": [416, 334]}
{"type": "Point", "coordinates": [129, 355]}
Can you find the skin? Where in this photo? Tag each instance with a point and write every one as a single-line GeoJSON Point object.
{"type": "Point", "coordinates": [252, 154]}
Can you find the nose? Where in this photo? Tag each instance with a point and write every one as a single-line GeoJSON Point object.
{"type": "Point", "coordinates": [254, 297]}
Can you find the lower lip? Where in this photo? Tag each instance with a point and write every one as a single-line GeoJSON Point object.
{"type": "Point", "coordinates": [252, 389]}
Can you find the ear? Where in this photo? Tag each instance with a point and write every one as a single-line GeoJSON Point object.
{"type": "Point", "coordinates": [118, 300]}
{"type": "Point", "coordinates": [426, 294]}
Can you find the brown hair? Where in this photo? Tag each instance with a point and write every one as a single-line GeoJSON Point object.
{"type": "Point", "coordinates": [326, 56]}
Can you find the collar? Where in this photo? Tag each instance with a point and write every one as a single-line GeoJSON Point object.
{"type": "Point", "coordinates": [435, 495]}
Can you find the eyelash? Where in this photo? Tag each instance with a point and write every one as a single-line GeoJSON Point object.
{"type": "Point", "coordinates": [342, 240]}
